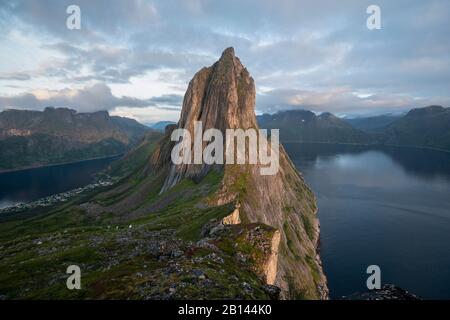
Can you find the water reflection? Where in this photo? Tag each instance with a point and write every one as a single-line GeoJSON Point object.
{"type": "Point", "coordinates": [422, 162]}
{"type": "Point", "coordinates": [30, 185]}
{"type": "Point", "coordinates": [382, 205]}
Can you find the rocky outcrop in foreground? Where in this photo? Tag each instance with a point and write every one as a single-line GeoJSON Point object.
{"type": "Point", "coordinates": [387, 292]}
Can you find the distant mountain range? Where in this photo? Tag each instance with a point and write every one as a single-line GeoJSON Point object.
{"type": "Point", "coordinates": [306, 126]}
{"type": "Point", "coordinates": [422, 127]}
{"type": "Point", "coordinates": [161, 125]}
{"type": "Point", "coordinates": [373, 124]}
{"type": "Point", "coordinates": [57, 135]}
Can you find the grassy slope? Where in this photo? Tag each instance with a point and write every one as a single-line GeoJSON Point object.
{"type": "Point", "coordinates": [122, 262]}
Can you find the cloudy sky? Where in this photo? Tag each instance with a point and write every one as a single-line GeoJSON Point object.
{"type": "Point", "coordinates": [135, 58]}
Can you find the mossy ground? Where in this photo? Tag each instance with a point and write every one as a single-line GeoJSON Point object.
{"type": "Point", "coordinates": [155, 258]}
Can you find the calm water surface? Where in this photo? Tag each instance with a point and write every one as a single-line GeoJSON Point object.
{"type": "Point", "coordinates": [384, 206]}
{"type": "Point", "coordinates": [33, 184]}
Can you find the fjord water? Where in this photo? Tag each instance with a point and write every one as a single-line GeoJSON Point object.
{"type": "Point", "coordinates": [33, 184]}
{"type": "Point", "coordinates": [384, 206]}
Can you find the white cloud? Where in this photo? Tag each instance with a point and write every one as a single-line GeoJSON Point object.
{"type": "Point", "coordinates": [147, 115]}
{"type": "Point", "coordinates": [340, 100]}
{"type": "Point", "coordinates": [88, 99]}
{"type": "Point", "coordinates": [316, 54]}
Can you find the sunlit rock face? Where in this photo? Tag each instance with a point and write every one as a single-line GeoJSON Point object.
{"type": "Point", "coordinates": [222, 96]}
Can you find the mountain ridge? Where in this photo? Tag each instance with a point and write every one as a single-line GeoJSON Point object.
{"type": "Point", "coordinates": [420, 127]}
{"type": "Point", "coordinates": [426, 127]}
{"type": "Point", "coordinates": [373, 124]}
{"type": "Point", "coordinates": [306, 126]}
{"type": "Point", "coordinates": [58, 135]}
{"type": "Point", "coordinates": [161, 125]}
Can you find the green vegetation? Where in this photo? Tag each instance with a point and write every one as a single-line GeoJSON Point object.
{"type": "Point", "coordinates": [123, 262]}
{"type": "Point", "coordinates": [308, 226]}
{"type": "Point", "coordinates": [290, 239]}
{"type": "Point", "coordinates": [312, 264]}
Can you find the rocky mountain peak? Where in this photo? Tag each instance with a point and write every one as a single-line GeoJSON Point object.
{"type": "Point", "coordinates": [222, 97]}
{"type": "Point", "coordinates": [228, 52]}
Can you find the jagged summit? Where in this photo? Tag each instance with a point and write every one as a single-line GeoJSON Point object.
{"type": "Point", "coordinates": [228, 52]}
{"type": "Point", "coordinates": [228, 55]}
{"type": "Point", "coordinates": [222, 96]}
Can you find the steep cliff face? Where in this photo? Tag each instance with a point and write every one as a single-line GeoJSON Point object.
{"type": "Point", "coordinates": [223, 97]}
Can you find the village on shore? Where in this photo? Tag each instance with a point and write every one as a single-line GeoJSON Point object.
{"type": "Point", "coordinates": [57, 198]}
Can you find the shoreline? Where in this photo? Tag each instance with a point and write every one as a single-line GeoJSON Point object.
{"type": "Point", "coordinates": [370, 145]}
{"type": "Point", "coordinates": [56, 198]}
{"type": "Point", "coordinates": [58, 164]}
